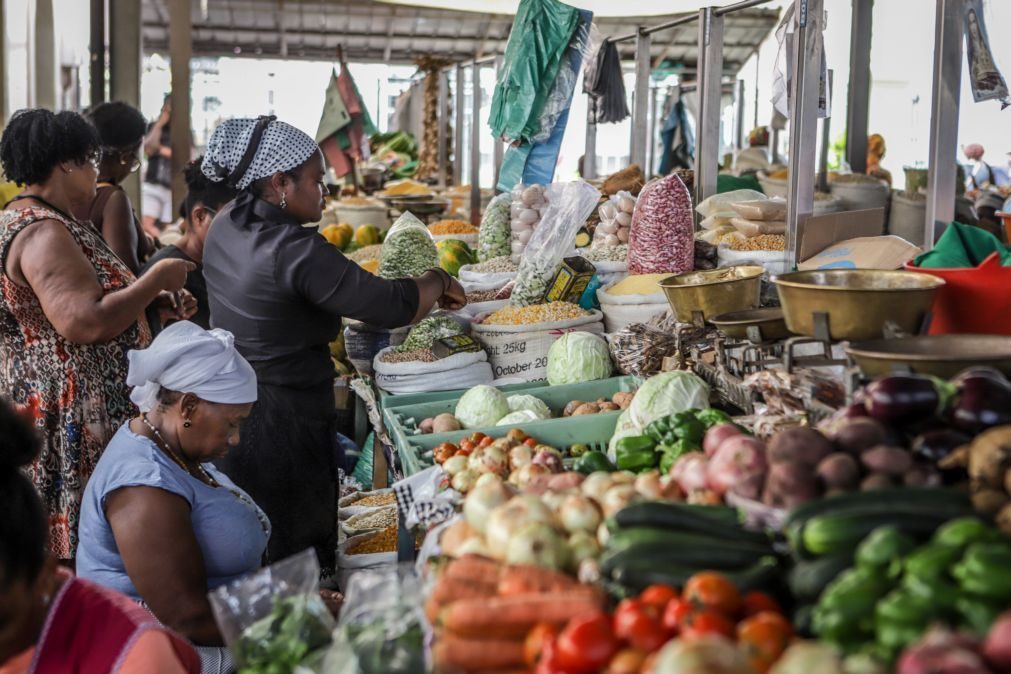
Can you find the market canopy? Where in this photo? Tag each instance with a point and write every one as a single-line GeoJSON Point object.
{"type": "Point", "coordinates": [372, 31]}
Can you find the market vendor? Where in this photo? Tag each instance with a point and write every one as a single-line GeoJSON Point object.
{"type": "Point", "coordinates": [282, 290]}
{"type": "Point", "coordinates": [69, 309]}
{"type": "Point", "coordinates": [50, 621]}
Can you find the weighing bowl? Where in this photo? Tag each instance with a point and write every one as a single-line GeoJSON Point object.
{"type": "Point", "coordinates": [939, 355]}
{"type": "Point", "coordinates": [769, 323]}
{"type": "Point", "coordinates": [714, 292]}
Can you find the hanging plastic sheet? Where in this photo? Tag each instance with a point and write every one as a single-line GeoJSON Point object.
{"type": "Point", "coordinates": [539, 37]}
{"type": "Point", "coordinates": [678, 140]}
{"type": "Point", "coordinates": [607, 86]}
{"type": "Point", "coordinates": [783, 73]}
{"type": "Point", "coordinates": [984, 75]}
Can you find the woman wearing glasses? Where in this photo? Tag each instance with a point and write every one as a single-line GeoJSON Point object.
{"type": "Point", "coordinates": [121, 129]}
{"type": "Point", "coordinates": [70, 310]}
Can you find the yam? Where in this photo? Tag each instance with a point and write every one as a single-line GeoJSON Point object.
{"type": "Point", "coordinates": [859, 434]}
{"type": "Point", "coordinates": [877, 481]}
{"type": "Point", "coordinates": [989, 501]}
{"type": "Point", "coordinates": [888, 460]}
{"type": "Point", "coordinates": [801, 445]}
{"type": "Point", "coordinates": [426, 426]}
{"type": "Point", "coordinates": [608, 407]}
{"type": "Point", "coordinates": [622, 399]}
{"type": "Point", "coordinates": [446, 423]}
{"type": "Point", "coordinates": [839, 471]}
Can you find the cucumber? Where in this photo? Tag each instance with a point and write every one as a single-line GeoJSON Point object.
{"type": "Point", "coordinates": [838, 533]}
{"type": "Point", "coordinates": [717, 558]}
{"type": "Point", "coordinates": [761, 575]}
{"type": "Point", "coordinates": [713, 521]}
{"type": "Point", "coordinates": [884, 500]}
{"type": "Point", "coordinates": [808, 579]}
{"type": "Point", "coordinates": [675, 540]}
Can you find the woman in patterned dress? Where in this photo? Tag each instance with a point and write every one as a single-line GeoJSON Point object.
{"type": "Point", "coordinates": [69, 310]}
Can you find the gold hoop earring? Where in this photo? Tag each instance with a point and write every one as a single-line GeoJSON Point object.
{"type": "Point", "coordinates": [284, 201]}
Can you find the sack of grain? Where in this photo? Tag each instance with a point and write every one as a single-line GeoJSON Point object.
{"type": "Point", "coordinates": [462, 370]}
{"type": "Point", "coordinates": [627, 307]}
{"type": "Point", "coordinates": [364, 341]}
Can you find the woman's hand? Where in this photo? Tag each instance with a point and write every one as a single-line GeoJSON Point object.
{"type": "Point", "coordinates": [172, 273]}
{"type": "Point", "coordinates": [175, 306]}
{"type": "Point", "coordinates": [454, 298]}
{"type": "Point", "coordinates": [332, 600]}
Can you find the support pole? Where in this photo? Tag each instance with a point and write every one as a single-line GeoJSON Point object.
{"type": "Point", "coordinates": [46, 56]}
{"type": "Point", "coordinates": [826, 131]}
{"type": "Point", "coordinates": [640, 104]}
{"type": "Point", "coordinates": [942, 173]}
{"type": "Point", "coordinates": [3, 69]}
{"type": "Point", "coordinates": [475, 146]}
{"type": "Point", "coordinates": [180, 53]}
{"type": "Point", "coordinates": [806, 58]}
{"type": "Point", "coordinates": [442, 117]}
{"type": "Point", "coordinates": [590, 149]}
{"type": "Point", "coordinates": [498, 147]}
{"type": "Point", "coordinates": [739, 134]}
{"type": "Point", "coordinates": [710, 90]}
{"type": "Point", "coordinates": [125, 67]}
{"type": "Point", "coordinates": [860, 85]}
{"type": "Point", "coordinates": [96, 48]}
{"type": "Point", "coordinates": [653, 115]}
{"type": "Point", "coordinates": [458, 129]}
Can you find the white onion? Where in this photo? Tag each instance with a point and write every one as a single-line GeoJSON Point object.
{"type": "Point", "coordinates": [524, 236]}
{"type": "Point", "coordinates": [596, 485]}
{"type": "Point", "coordinates": [455, 464]}
{"type": "Point", "coordinates": [507, 519]}
{"type": "Point", "coordinates": [525, 474]}
{"type": "Point", "coordinates": [623, 219]}
{"type": "Point", "coordinates": [611, 240]}
{"type": "Point", "coordinates": [648, 486]}
{"type": "Point", "coordinates": [520, 456]}
{"type": "Point", "coordinates": [583, 546]}
{"type": "Point", "coordinates": [617, 497]}
{"type": "Point", "coordinates": [579, 513]}
{"type": "Point", "coordinates": [537, 544]}
{"type": "Point", "coordinates": [603, 534]}
{"type": "Point", "coordinates": [607, 211]}
{"type": "Point", "coordinates": [492, 460]}
{"type": "Point", "coordinates": [481, 500]}
{"type": "Point", "coordinates": [464, 481]}
{"type": "Point", "coordinates": [473, 546]}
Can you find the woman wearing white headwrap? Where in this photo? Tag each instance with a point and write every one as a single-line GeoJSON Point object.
{"type": "Point", "coordinates": [159, 522]}
{"type": "Point", "coordinates": [282, 290]}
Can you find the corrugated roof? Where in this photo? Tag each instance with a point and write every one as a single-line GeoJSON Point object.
{"type": "Point", "coordinates": [373, 31]}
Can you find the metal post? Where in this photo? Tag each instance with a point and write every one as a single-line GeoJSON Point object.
{"type": "Point", "coordinates": [640, 103]}
{"type": "Point", "coordinates": [125, 67]}
{"type": "Point", "coordinates": [498, 147]}
{"type": "Point", "coordinates": [653, 114]}
{"type": "Point", "coordinates": [97, 48]}
{"type": "Point", "coordinates": [710, 76]}
{"type": "Point", "coordinates": [942, 173]}
{"type": "Point", "coordinates": [590, 149]}
{"type": "Point", "coordinates": [739, 134]}
{"type": "Point", "coordinates": [442, 115]}
{"type": "Point", "coordinates": [180, 52]}
{"type": "Point", "coordinates": [860, 85]}
{"type": "Point", "coordinates": [458, 129]}
{"type": "Point", "coordinates": [46, 56]}
{"type": "Point", "coordinates": [826, 131]}
{"type": "Point", "coordinates": [806, 58]}
{"type": "Point", "coordinates": [475, 146]}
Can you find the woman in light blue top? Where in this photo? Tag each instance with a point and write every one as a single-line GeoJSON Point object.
{"type": "Point", "coordinates": [159, 522]}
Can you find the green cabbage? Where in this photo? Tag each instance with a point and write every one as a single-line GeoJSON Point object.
{"type": "Point", "coordinates": [576, 357]}
{"type": "Point", "coordinates": [522, 402]}
{"type": "Point", "coordinates": [519, 417]}
{"type": "Point", "coordinates": [483, 405]}
{"type": "Point", "coordinates": [660, 396]}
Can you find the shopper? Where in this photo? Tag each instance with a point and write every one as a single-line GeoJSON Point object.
{"type": "Point", "coordinates": [157, 188]}
{"type": "Point", "coordinates": [979, 174]}
{"type": "Point", "coordinates": [69, 309]}
{"type": "Point", "coordinates": [875, 153]}
{"type": "Point", "coordinates": [282, 290]}
{"type": "Point", "coordinates": [121, 130]}
{"type": "Point", "coordinates": [49, 621]}
{"type": "Point", "coordinates": [159, 522]}
{"type": "Point", "coordinates": [204, 198]}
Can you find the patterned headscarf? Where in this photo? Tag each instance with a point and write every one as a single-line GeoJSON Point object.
{"type": "Point", "coordinates": [281, 147]}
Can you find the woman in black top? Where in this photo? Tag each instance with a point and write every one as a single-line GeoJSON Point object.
{"type": "Point", "coordinates": [204, 198]}
{"type": "Point", "coordinates": [282, 290]}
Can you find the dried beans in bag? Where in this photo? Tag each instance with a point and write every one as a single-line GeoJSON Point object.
{"type": "Point", "coordinates": [662, 236]}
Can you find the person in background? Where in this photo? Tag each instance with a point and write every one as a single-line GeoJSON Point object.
{"type": "Point", "coordinates": [204, 198]}
{"type": "Point", "coordinates": [875, 153]}
{"type": "Point", "coordinates": [70, 309]}
{"type": "Point", "coordinates": [121, 129]}
{"type": "Point", "coordinates": [979, 175]}
{"type": "Point", "coordinates": [157, 188]}
{"type": "Point", "coordinates": [51, 622]}
{"type": "Point", "coordinates": [282, 290]}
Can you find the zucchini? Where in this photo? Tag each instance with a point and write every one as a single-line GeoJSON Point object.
{"type": "Point", "coordinates": [636, 576]}
{"type": "Point", "coordinates": [713, 521]}
{"type": "Point", "coordinates": [673, 540]}
{"type": "Point", "coordinates": [884, 500]}
{"type": "Point", "coordinates": [717, 558]}
{"type": "Point", "coordinates": [809, 579]}
{"type": "Point", "coordinates": [838, 533]}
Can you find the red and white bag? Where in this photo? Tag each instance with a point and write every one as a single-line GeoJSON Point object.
{"type": "Point", "coordinates": [663, 229]}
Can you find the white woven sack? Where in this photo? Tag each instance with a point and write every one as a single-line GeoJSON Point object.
{"type": "Point", "coordinates": [773, 261]}
{"type": "Point", "coordinates": [478, 286]}
{"type": "Point", "coordinates": [522, 350]}
{"type": "Point", "coordinates": [493, 277]}
{"type": "Point", "coordinates": [621, 311]}
{"type": "Point", "coordinates": [348, 565]}
{"type": "Point", "coordinates": [477, 308]}
{"type": "Point", "coordinates": [462, 370]}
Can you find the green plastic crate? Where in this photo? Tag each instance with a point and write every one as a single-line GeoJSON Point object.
{"type": "Point", "coordinates": [400, 430]}
{"type": "Point", "coordinates": [593, 430]}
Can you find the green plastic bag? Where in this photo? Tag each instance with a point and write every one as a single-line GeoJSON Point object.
{"type": "Point", "coordinates": [963, 247]}
{"type": "Point", "coordinates": [728, 183]}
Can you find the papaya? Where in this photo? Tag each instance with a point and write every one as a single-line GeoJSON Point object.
{"type": "Point", "coordinates": [338, 235]}
{"type": "Point", "coordinates": [367, 235]}
{"type": "Point", "coordinates": [371, 266]}
{"type": "Point", "coordinates": [454, 254]}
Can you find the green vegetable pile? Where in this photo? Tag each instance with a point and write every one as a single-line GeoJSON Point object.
{"type": "Point", "coordinates": [666, 439]}
{"type": "Point", "coordinates": [427, 331]}
{"type": "Point", "coordinates": [379, 652]}
{"type": "Point", "coordinates": [296, 627]}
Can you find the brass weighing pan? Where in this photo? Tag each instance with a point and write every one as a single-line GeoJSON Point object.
{"type": "Point", "coordinates": [938, 355]}
{"type": "Point", "coordinates": [757, 325]}
{"type": "Point", "coordinates": [857, 303]}
{"type": "Point", "coordinates": [713, 292]}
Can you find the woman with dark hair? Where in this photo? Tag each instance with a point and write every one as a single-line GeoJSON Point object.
{"type": "Point", "coordinates": [70, 310]}
{"type": "Point", "coordinates": [51, 622]}
{"type": "Point", "coordinates": [121, 130]}
{"type": "Point", "coordinates": [282, 290]}
{"type": "Point", "coordinates": [204, 198]}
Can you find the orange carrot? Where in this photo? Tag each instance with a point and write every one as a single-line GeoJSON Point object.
{"type": "Point", "coordinates": [473, 568]}
{"type": "Point", "coordinates": [432, 609]}
{"type": "Point", "coordinates": [448, 589]}
{"type": "Point", "coordinates": [453, 654]}
{"type": "Point", "coordinates": [513, 617]}
{"type": "Point", "coordinates": [525, 579]}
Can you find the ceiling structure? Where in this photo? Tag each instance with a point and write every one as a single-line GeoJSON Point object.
{"type": "Point", "coordinates": [386, 32]}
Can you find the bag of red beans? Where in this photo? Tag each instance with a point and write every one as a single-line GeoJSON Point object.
{"type": "Point", "coordinates": [663, 229]}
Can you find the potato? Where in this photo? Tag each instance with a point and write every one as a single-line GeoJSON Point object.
{"type": "Point", "coordinates": [571, 407]}
{"type": "Point", "coordinates": [789, 485]}
{"type": "Point", "coordinates": [586, 408]}
{"type": "Point", "coordinates": [922, 475]}
{"type": "Point", "coordinates": [859, 434]}
{"type": "Point", "coordinates": [990, 457]}
{"type": "Point", "coordinates": [989, 501]}
{"type": "Point", "coordinates": [889, 460]}
{"type": "Point", "coordinates": [839, 471]}
{"type": "Point", "coordinates": [1003, 520]}
{"type": "Point", "coordinates": [445, 423]}
{"type": "Point", "coordinates": [622, 399]}
{"type": "Point", "coordinates": [608, 407]}
{"type": "Point", "coordinates": [877, 481]}
{"type": "Point", "coordinates": [801, 445]}
{"type": "Point", "coordinates": [426, 425]}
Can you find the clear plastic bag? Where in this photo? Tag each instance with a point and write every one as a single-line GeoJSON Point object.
{"type": "Point", "coordinates": [783, 72]}
{"type": "Point", "coordinates": [615, 220]}
{"type": "Point", "coordinates": [528, 205]}
{"type": "Point", "coordinates": [984, 74]}
{"type": "Point", "coordinates": [753, 228]}
{"type": "Point", "coordinates": [560, 97]}
{"type": "Point", "coordinates": [382, 627]}
{"type": "Point", "coordinates": [409, 249]}
{"type": "Point", "coordinates": [274, 620]}
{"type": "Point", "coordinates": [569, 205]}
{"type": "Point", "coordinates": [495, 234]}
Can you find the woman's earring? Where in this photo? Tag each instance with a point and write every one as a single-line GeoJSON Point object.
{"type": "Point", "coordinates": [284, 200]}
{"type": "Point", "coordinates": [187, 423]}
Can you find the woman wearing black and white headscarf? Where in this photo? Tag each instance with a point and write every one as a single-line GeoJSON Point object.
{"type": "Point", "coordinates": [282, 290]}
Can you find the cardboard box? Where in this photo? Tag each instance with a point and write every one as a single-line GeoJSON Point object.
{"type": "Point", "coordinates": [851, 240]}
{"type": "Point", "coordinates": [571, 280]}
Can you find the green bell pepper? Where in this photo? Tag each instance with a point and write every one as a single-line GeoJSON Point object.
{"type": "Point", "coordinates": [893, 638]}
{"type": "Point", "coordinates": [962, 532]}
{"type": "Point", "coordinates": [940, 593]}
{"type": "Point", "coordinates": [593, 461]}
{"type": "Point", "coordinates": [931, 562]}
{"type": "Point", "coordinates": [882, 546]}
{"type": "Point", "coordinates": [983, 571]}
{"type": "Point", "coordinates": [903, 607]}
{"type": "Point", "coordinates": [692, 431]}
{"type": "Point", "coordinates": [837, 628]}
{"type": "Point", "coordinates": [711, 417]}
{"type": "Point", "coordinates": [978, 614]}
{"type": "Point", "coordinates": [636, 453]}
{"type": "Point", "coordinates": [674, 427]}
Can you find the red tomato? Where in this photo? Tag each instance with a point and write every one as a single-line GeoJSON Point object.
{"type": "Point", "coordinates": [658, 596]}
{"type": "Point", "coordinates": [763, 638]}
{"type": "Point", "coordinates": [702, 623]}
{"type": "Point", "coordinates": [674, 616]}
{"type": "Point", "coordinates": [627, 661]}
{"type": "Point", "coordinates": [476, 438]}
{"type": "Point", "coordinates": [711, 590]}
{"type": "Point", "coordinates": [639, 625]}
{"type": "Point", "coordinates": [530, 442]}
{"type": "Point", "coordinates": [548, 664]}
{"type": "Point", "coordinates": [486, 441]}
{"type": "Point", "coordinates": [757, 602]}
{"type": "Point", "coordinates": [537, 639]}
{"type": "Point", "coordinates": [586, 644]}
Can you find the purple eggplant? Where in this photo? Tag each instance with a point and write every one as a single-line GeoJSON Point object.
{"type": "Point", "coordinates": [982, 401]}
{"type": "Point", "coordinates": [933, 446]}
{"type": "Point", "coordinates": [979, 371]}
{"type": "Point", "coordinates": [903, 399]}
